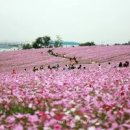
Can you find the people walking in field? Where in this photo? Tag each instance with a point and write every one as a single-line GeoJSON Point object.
{"type": "Point", "coordinates": [49, 67]}
{"type": "Point", "coordinates": [50, 51]}
{"type": "Point", "coordinates": [126, 64]}
{"type": "Point", "coordinates": [14, 71]}
{"type": "Point", "coordinates": [41, 67]}
{"type": "Point", "coordinates": [120, 64]}
{"type": "Point", "coordinates": [79, 66]}
{"type": "Point", "coordinates": [35, 69]}
{"type": "Point", "coordinates": [72, 67]}
{"type": "Point", "coordinates": [75, 60]}
{"type": "Point", "coordinates": [56, 54]}
{"type": "Point", "coordinates": [66, 67]}
{"type": "Point", "coordinates": [57, 66]}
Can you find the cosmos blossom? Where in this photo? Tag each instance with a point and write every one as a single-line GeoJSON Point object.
{"type": "Point", "coordinates": [94, 98]}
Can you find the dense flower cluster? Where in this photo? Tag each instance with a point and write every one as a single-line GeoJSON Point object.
{"type": "Point", "coordinates": [97, 98]}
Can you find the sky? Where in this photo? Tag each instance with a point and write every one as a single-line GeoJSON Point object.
{"type": "Point", "coordinates": [101, 21]}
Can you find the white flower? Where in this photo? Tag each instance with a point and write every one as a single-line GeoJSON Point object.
{"type": "Point", "coordinates": [73, 109]}
{"type": "Point", "coordinates": [71, 102]}
{"type": "Point", "coordinates": [64, 109]}
{"type": "Point", "coordinates": [67, 112]}
{"type": "Point", "coordinates": [52, 114]}
{"type": "Point", "coordinates": [77, 117]}
{"type": "Point", "coordinates": [86, 116]}
{"type": "Point", "coordinates": [47, 128]}
{"type": "Point", "coordinates": [93, 121]}
{"type": "Point", "coordinates": [47, 112]}
{"type": "Point", "coordinates": [30, 105]}
{"type": "Point", "coordinates": [92, 128]}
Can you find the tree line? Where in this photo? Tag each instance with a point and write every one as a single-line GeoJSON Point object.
{"type": "Point", "coordinates": [127, 43]}
{"type": "Point", "coordinates": [47, 42]}
{"type": "Point", "coordinates": [44, 42]}
{"type": "Point", "coordinates": [87, 44]}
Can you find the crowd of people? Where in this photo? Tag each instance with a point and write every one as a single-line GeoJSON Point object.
{"type": "Point", "coordinates": [73, 64]}
{"type": "Point", "coordinates": [70, 67]}
{"type": "Point", "coordinates": [57, 66]}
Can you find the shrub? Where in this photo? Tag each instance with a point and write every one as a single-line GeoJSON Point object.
{"type": "Point", "coordinates": [87, 44]}
{"type": "Point", "coordinates": [27, 46]}
{"type": "Point", "coordinates": [58, 42]}
{"type": "Point", "coordinates": [36, 45]}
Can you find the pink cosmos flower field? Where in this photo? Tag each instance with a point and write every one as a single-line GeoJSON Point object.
{"type": "Point", "coordinates": [95, 98]}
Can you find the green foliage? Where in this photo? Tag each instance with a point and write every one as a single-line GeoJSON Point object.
{"type": "Point", "coordinates": [41, 42]}
{"type": "Point", "coordinates": [128, 43]}
{"type": "Point", "coordinates": [17, 109]}
{"type": "Point", "coordinates": [58, 42]}
{"type": "Point", "coordinates": [116, 44]}
{"type": "Point", "coordinates": [27, 46]}
{"type": "Point", "coordinates": [36, 45]}
{"type": "Point", "coordinates": [87, 44]}
{"type": "Point", "coordinates": [46, 41]}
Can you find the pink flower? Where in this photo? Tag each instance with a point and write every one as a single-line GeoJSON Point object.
{"type": "Point", "coordinates": [52, 122]}
{"type": "Point", "coordinates": [114, 125]}
{"type": "Point", "coordinates": [19, 115]}
{"type": "Point", "coordinates": [43, 116]}
{"type": "Point", "coordinates": [33, 118]}
{"type": "Point", "coordinates": [18, 127]}
{"type": "Point", "coordinates": [2, 127]}
{"type": "Point", "coordinates": [57, 127]}
{"type": "Point", "coordinates": [10, 119]}
{"type": "Point", "coordinates": [58, 116]}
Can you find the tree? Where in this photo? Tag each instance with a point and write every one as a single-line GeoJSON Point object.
{"type": "Point", "coordinates": [58, 42]}
{"type": "Point", "coordinates": [37, 43]}
{"type": "Point", "coordinates": [46, 41]}
{"type": "Point", "coordinates": [27, 46]}
{"type": "Point", "coordinates": [41, 42]}
{"type": "Point", "coordinates": [127, 43]}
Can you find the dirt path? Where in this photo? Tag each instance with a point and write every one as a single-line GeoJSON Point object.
{"type": "Point", "coordinates": [71, 59]}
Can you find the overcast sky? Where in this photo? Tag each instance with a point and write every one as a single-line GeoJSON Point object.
{"type": "Point", "coordinates": [74, 20]}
